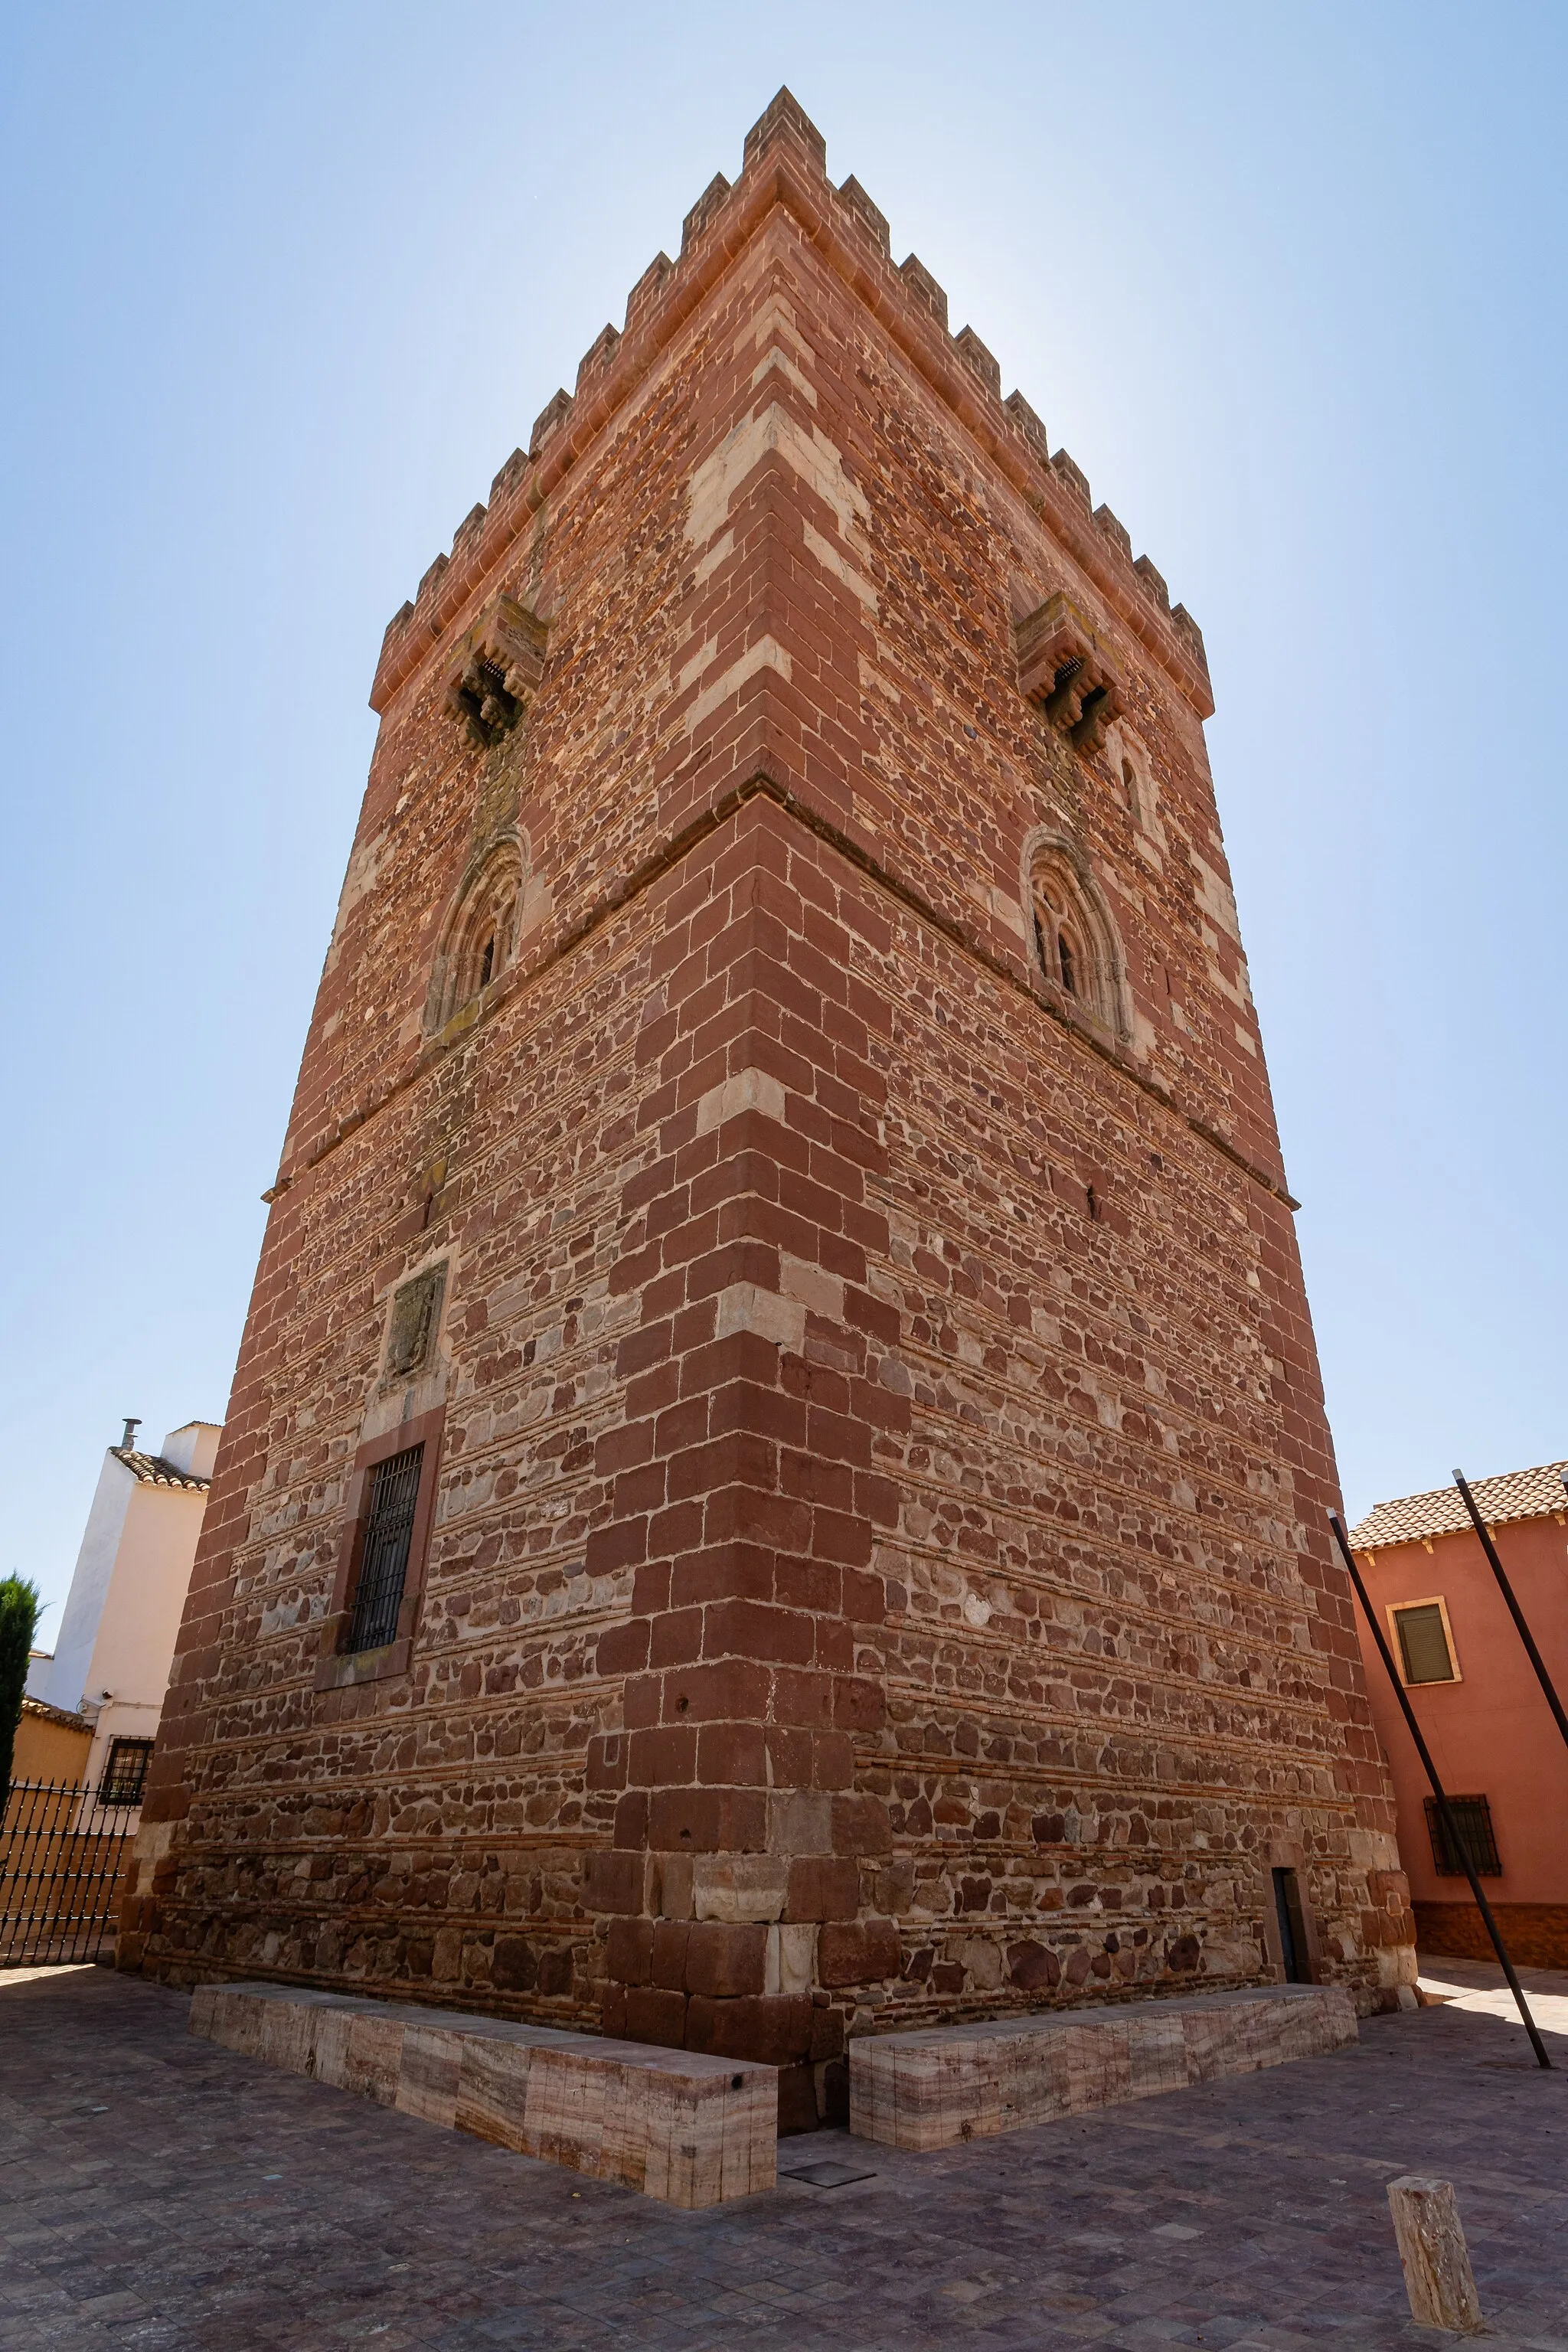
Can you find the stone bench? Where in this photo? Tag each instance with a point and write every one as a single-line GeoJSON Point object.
{"type": "Point", "coordinates": [690, 2130]}
{"type": "Point", "coordinates": [933, 2088]}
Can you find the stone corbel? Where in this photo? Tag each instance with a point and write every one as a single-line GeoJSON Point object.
{"type": "Point", "coordinates": [1065, 667]}
{"type": "Point", "coordinates": [499, 669]}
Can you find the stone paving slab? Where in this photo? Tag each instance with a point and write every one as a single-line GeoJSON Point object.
{"type": "Point", "coordinates": [159, 2194]}
{"type": "Point", "coordinates": [678, 2125]}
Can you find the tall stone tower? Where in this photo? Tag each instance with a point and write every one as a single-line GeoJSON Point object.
{"type": "Point", "coordinates": [775, 1480]}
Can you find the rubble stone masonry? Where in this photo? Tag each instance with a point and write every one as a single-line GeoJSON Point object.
{"type": "Point", "coordinates": [787, 994]}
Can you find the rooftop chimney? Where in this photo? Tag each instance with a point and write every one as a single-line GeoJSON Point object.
{"type": "Point", "coordinates": [128, 1442]}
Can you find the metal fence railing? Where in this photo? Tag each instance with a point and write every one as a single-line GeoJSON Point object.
{"type": "Point", "coordinates": [61, 1853]}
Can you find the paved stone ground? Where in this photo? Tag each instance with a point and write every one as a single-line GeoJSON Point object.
{"type": "Point", "coordinates": [159, 2193]}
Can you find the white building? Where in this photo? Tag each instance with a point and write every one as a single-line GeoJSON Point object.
{"type": "Point", "coordinates": [116, 1641]}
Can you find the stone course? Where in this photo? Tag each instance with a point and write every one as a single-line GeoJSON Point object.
{"type": "Point", "coordinates": [159, 2193]}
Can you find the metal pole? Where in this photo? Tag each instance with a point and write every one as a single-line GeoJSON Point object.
{"type": "Point", "coordinates": [1444, 1809]}
{"type": "Point", "coordinates": [1514, 1611]}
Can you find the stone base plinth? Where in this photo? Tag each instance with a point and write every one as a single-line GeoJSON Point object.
{"type": "Point", "coordinates": [955, 2083]}
{"type": "Point", "coordinates": [688, 2129]}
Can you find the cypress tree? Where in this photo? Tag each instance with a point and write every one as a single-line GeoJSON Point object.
{"type": "Point", "coordinates": [18, 1621]}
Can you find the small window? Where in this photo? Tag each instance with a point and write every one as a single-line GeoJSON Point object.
{"type": "Point", "coordinates": [1473, 1819]}
{"type": "Point", "coordinates": [1293, 1928]}
{"type": "Point", "coordinates": [1130, 786]}
{"type": "Point", "coordinates": [125, 1774]}
{"type": "Point", "coordinates": [384, 1556]}
{"type": "Point", "coordinates": [1426, 1654]}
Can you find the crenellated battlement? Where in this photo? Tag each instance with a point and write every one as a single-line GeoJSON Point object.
{"type": "Point", "coordinates": [906, 297]}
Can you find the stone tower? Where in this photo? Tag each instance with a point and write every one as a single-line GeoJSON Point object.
{"type": "Point", "coordinates": [775, 1480]}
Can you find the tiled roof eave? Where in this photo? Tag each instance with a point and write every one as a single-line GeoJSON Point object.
{"type": "Point", "coordinates": [1508, 1500]}
{"type": "Point", "coordinates": [153, 1471]}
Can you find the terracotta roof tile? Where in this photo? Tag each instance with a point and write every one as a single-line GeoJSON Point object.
{"type": "Point", "coordinates": [1516, 1494]}
{"type": "Point", "coordinates": [153, 1471]}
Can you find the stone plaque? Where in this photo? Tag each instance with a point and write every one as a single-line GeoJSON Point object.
{"type": "Point", "coordinates": [416, 1312]}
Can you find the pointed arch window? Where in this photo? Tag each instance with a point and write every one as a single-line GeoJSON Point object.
{"type": "Point", "coordinates": [480, 935]}
{"type": "Point", "coordinates": [1073, 941]}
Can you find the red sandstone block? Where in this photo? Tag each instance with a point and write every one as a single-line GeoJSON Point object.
{"type": "Point", "coordinates": [667, 1949]}
{"type": "Point", "coordinates": [683, 1427]}
{"type": "Point", "coordinates": [789, 1755]}
{"type": "Point", "coordinates": [802, 1583]}
{"type": "Point", "coordinates": [729, 1571]}
{"type": "Point", "coordinates": [746, 1404]}
{"type": "Point", "coordinates": [859, 1704]}
{"type": "Point", "coordinates": [676, 1637]}
{"type": "Point", "coordinates": [861, 1826]}
{"type": "Point", "coordinates": [606, 1762]}
{"type": "Point", "coordinates": [823, 1886]}
{"type": "Point", "coordinates": [723, 1959]}
{"type": "Point", "coordinates": [641, 1348]}
{"type": "Point", "coordinates": [629, 1950]}
{"type": "Point", "coordinates": [654, 2014]}
{"type": "Point", "coordinates": [839, 1537]}
{"type": "Point", "coordinates": [708, 1820]}
{"type": "Point", "coordinates": [622, 1544]}
{"type": "Point", "coordinates": [827, 2034]}
{"type": "Point", "coordinates": [650, 1591]}
{"type": "Point", "coordinates": [746, 1513]}
{"type": "Point", "coordinates": [615, 1882]}
{"type": "Point", "coordinates": [748, 1628]}
{"type": "Point", "coordinates": [734, 1754]}
{"type": "Point", "coordinates": [631, 1831]}
{"type": "Point", "coordinates": [730, 1690]}
{"type": "Point", "coordinates": [852, 1952]}
{"type": "Point", "coordinates": [662, 1756]}
{"type": "Point", "coordinates": [768, 2028]}
{"type": "Point", "coordinates": [640, 1490]}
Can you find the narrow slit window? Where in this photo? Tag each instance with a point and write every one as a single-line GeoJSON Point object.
{"type": "Point", "coordinates": [488, 961]}
{"type": "Point", "coordinates": [1068, 960]}
{"type": "Point", "coordinates": [383, 1557]}
{"type": "Point", "coordinates": [1424, 1655]}
{"type": "Point", "coordinates": [1292, 1927]}
{"type": "Point", "coordinates": [1473, 1820]}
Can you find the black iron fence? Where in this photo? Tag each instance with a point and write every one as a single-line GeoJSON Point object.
{"type": "Point", "coordinates": [61, 1853]}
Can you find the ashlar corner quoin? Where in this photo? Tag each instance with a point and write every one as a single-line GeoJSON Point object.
{"type": "Point", "coordinates": [775, 1481]}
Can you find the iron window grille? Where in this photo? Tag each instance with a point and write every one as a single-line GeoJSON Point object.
{"type": "Point", "coordinates": [1473, 1818]}
{"type": "Point", "coordinates": [125, 1773]}
{"type": "Point", "coordinates": [384, 1556]}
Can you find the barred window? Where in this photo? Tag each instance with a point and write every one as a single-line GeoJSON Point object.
{"type": "Point", "coordinates": [125, 1774]}
{"type": "Point", "coordinates": [1473, 1819]}
{"type": "Point", "coordinates": [1425, 1652]}
{"type": "Point", "coordinates": [384, 1555]}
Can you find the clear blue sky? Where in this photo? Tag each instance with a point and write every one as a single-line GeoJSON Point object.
{"type": "Point", "coordinates": [287, 283]}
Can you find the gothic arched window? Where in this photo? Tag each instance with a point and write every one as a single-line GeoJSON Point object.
{"type": "Point", "coordinates": [1074, 944]}
{"type": "Point", "coordinates": [479, 937]}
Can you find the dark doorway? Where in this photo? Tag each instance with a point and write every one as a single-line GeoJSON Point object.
{"type": "Point", "coordinates": [1293, 1928]}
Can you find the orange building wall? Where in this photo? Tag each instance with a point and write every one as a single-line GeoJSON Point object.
{"type": "Point", "coordinates": [1490, 1732]}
